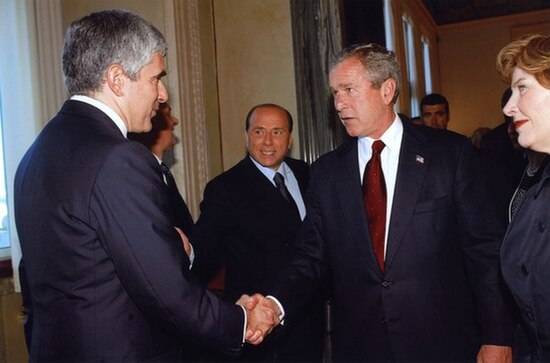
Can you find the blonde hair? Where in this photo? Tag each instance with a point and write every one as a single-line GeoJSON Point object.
{"type": "Point", "coordinates": [530, 53]}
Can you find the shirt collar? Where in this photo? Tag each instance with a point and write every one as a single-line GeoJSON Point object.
{"type": "Point", "coordinates": [391, 138]}
{"type": "Point", "coordinates": [268, 172]}
{"type": "Point", "coordinates": [156, 157]}
{"type": "Point", "coordinates": [106, 109]}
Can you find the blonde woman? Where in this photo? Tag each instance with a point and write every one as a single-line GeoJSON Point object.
{"type": "Point", "coordinates": [525, 63]}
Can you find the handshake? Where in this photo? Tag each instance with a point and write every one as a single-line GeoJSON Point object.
{"type": "Point", "coordinates": [262, 316]}
{"type": "Point", "coordinates": [262, 313]}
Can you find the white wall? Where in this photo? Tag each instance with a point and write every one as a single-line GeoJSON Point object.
{"type": "Point", "coordinates": [21, 107]}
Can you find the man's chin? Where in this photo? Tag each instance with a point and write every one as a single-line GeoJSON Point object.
{"type": "Point", "coordinates": [148, 126]}
{"type": "Point", "coordinates": [352, 132]}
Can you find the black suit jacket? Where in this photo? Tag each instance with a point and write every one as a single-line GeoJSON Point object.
{"type": "Point", "coordinates": [526, 265]}
{"type": "Point", "coordinates": [440, 296]}
{"type": "Point", "coordinates": [246, 223]}
{"type": "Point", "coordinates": [183, 217]}
{"type": "Point", "coordinates": [105, 267]}
{"type": "Point", "coordinates": [504, 167]}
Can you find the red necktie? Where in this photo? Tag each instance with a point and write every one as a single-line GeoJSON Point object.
{"type": "Point", "coordinates": [374, 188]}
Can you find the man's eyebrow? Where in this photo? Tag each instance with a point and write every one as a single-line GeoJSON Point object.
{"type": "Point", "coordinates": [161, 74]}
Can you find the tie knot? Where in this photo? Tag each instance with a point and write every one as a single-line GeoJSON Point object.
{"type": "Point", "coordinates": [279, 179]}
{"type": "Point", "coordinates": [377, 147]}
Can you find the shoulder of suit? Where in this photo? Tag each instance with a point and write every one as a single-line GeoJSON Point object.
{"type": "Point", "coordinates": [233, 175]}
{"type": "Point", "coordinates": [81, 110]}
{"type": "Point", "coordinates": [242, 166]}
{"type": "Point", "coordinates": [87, 119]}
{"type": "Point", "coordinates": [80, 125]}
{"type": "Point", "coordinates": [131, 154]}
{"type": "Point", "coordinates": [428, 135]}
{"type": "Point", "coordinates": [349, 146]}
{"type": "Point", "coordinates": [296, 163]}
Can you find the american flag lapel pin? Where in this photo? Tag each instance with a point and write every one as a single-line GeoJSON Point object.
{"type": "Point", "coordinates": [419, 159]}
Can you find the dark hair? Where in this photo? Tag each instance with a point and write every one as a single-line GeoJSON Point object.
{"type": "Point", "coordinates": [435, 99]}
{"type": "Point", "coordinates": [379, 62]}
{"type": "Point", "coordinates": [103, 38]}
{"type": "Point", "coordinates": [269, 105]}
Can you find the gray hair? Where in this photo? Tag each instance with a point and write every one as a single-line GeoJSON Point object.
{"type": "Point", "coordinates": [103, 38]}
{"type": "Point", "coordinates": [379, 62]}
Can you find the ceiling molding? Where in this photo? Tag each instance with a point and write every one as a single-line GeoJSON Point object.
{"type": "Point", "coordinates": [447, 12]}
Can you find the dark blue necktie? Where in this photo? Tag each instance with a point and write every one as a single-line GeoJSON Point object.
{"type": "Point", "coordinates": [280, 183]}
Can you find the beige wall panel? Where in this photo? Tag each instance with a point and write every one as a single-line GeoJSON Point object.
{"type": "Point", "coordinates": [210, 84]}
{"type": "Point", "coordinates": [12, 346]}
{"type": "Point", "coordinates": [255, 65]}
{"type": "Point", "coordinates": [468, 76]}
{"type": "Point", "coordinates": [152, 10]}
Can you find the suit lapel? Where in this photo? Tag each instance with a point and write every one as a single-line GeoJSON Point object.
{"type": "Point", "coordinates": [352, 206]}
{"type": "Point", "coordinates": [414, 160]}
{"type": "Point", "coordinates": [263, 192]}
{"type": "Point", "coordinates": [301, 175]}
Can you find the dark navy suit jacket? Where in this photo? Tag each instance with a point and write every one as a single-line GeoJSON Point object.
{"type": "Point", "coordinates": [440, 296]}
{"type": "Point", "coordinates": [106, 270]}
{"type": "Point", "coordinates": [526, 265]}
{"type": "Point", "coordinates": [183, 217]}
{"type": "Point", "coordinates": [246, 223]}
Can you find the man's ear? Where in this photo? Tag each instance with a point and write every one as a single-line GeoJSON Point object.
{"type": "Point", "coordinates": [388, 89]}
{"type": "Point", "coordinates": [116, 79]}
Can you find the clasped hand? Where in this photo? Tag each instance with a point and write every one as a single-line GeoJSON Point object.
{"type": "Point", "coordinates": [262, 317]}
{"type": "Point", "coordinates": [262, 313]}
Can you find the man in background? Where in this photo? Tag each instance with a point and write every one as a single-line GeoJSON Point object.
{"type": "Point", "coordinates": [160, 139]}
{"type": "Point", "coordinates": [434, 110]}
{"type": "Point", "coordinates": [105, 266]}
{"type": "Point", "coordinates": [504, 161]}
{"type": "Point", "coordinates": [249, 218]}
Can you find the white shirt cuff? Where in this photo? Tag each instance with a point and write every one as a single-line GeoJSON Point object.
{"type": "Point", "coordinates": [191, 256]}
{"type": "Point", "coordinates": [245, 323]}
{"type": "Point", "coordinates": [281, 309]}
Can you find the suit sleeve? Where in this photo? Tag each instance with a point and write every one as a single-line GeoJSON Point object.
{"type": "Point", "coordinates": [307, 269]}
{"type": "Point", "coordinates": [481, 234]}
{"type": "Point", "coordinates": [131, 211]}
{"type": "Point", "coordinates": [210, 230]}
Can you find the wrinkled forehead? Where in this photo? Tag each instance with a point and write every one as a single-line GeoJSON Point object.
{"type": "Point", "coordinates": [349, 71]}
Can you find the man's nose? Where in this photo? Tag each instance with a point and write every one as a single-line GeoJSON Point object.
{"type": "Point", "coordinates": [163, 92]}
{"type": "Point", "coordinates": [339, 102]}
